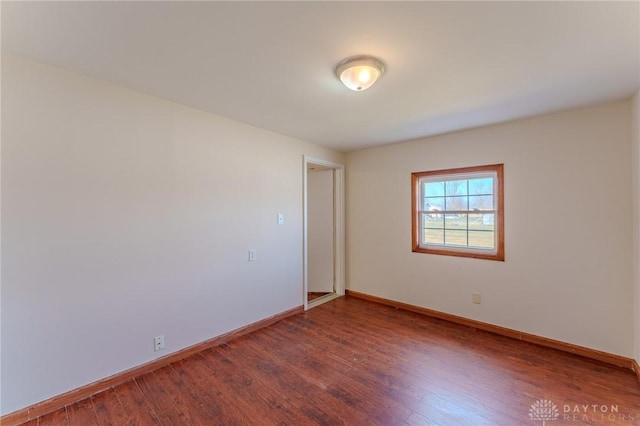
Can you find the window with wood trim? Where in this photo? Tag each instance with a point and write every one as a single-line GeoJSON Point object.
{"type": "Point", "coordinates": [459, 212]}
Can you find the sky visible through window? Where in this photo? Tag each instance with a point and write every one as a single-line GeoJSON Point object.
{"type": "Point", "coordinates": [465, 194]}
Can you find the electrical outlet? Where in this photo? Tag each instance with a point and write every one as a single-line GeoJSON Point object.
{"type": "Point", "coordinates": [475, 298]}
{"type": "Point", "coordinates": [158, 343]}
{"type": "Point", "coordinates": [252, 255]}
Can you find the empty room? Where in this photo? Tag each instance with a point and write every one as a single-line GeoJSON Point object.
{"type": "Point", "coordinates": [320, 213]}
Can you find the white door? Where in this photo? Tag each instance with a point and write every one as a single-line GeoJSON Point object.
{"type": "Point", "coordinates": [320, 229]}
{"type": "Point", "coordinates": [324, 243]}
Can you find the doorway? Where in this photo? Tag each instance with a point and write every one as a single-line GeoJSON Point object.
{"type": "Point", "coordinates": [323, 231]}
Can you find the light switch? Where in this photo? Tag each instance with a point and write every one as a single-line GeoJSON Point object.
{"type": "Point", "coordinates": [280, 218]}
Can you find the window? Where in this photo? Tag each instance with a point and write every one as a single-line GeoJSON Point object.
{"type": "Point", "coordinates": [459, 212]}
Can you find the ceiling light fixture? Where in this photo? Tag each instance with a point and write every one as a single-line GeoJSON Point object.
{"type": "Point", "coordinates": [360, 72]}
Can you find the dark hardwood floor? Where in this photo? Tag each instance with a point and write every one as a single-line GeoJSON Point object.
{"type": "Point", "coordinates": [313, 295]}
{"type": "Point", "coordinates": [353, 362]}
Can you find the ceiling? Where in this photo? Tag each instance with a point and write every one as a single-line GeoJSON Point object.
{"type": "Point", "coordinates": [449, 65]}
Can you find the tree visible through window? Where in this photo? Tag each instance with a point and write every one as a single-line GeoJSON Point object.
{"type": "Point", "coordinates": [459, 212]}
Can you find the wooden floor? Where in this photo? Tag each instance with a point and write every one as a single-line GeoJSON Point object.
{"type": "Point", "coordinates": [313, 295]}
{"type": "Point", "coordinates": [354, 362]}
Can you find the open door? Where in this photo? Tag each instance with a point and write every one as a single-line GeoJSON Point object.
{"type": "Point", "coordinates": [323, 231]}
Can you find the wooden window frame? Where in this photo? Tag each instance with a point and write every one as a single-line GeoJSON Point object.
{"type": "Point", "coordinates": [494, 254]}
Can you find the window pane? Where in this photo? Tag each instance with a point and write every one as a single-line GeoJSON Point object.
{"type": "Point", "coordinates": [433, 221]}
{"type": "Point", "coordinates": [455, 221]}
{"type": "Point", "coordinates": [434, 236]}
{"type": "Point", "coordinates": [482, 239]}
{"type": "Point", "coordinates": [484, 222]}
{"type": "Point", "coordinates": [456, 238]}
{"type": "Point", "coordinates": [456, 187]}
{"type": "Point", "coordinates": [481, 202]}
{"type": "Point", "coordinates": [433, 204]}
{"type": "Point", "coordinates": [456, 203]}
{"type": "Point", "coordinates": [481, 186]}
{"type": "Point", "coordinates": [434, 189]}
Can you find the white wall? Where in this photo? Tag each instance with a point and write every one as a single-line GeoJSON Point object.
{"type": "Point", "coordinates": [635, 197]}
{"type": "Point", "coordinates": [567, 273]}
{"type": "Point", "coordinates": [320, 230]}
{"type": "Point", "coordinates": [124, 217]}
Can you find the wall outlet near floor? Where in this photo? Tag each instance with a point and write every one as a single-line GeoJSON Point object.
{"type": "Point", "coordinates": [475, 298]}
{"type": "Point", "coordinates": [252, 255]}
{"type": "Point", "coordinates": [158, 343]}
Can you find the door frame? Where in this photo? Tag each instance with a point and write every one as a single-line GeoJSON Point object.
{"type": "Point", "coordinates": [339, 234]}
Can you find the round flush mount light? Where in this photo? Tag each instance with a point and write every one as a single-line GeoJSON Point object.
{"type": "Point", "coordinates": [360, 72]}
